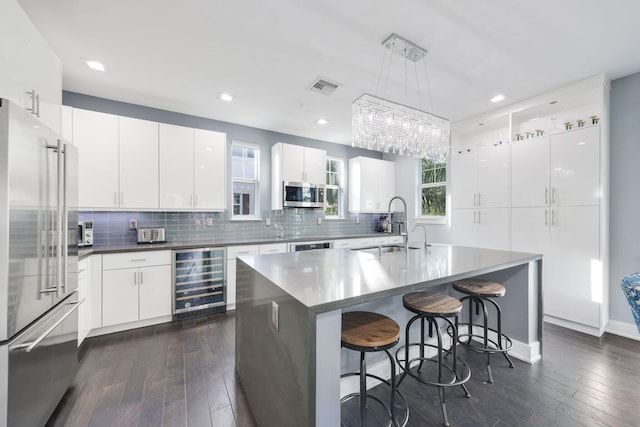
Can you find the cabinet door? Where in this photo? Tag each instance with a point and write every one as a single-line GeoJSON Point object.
{"type": "Point", "coordinates": [492, 228]}
{"type": "Point", "coordinates": [315, 165]}
{"type": "Point", "coordinates": [84, 292]}
{"type": "Point", "coordinates": [368, 180]}
{"type": "Point", "coordinates": [292, 159]}
{"type": "Point", "coordinates": [463, 226]}
{"type": "Point", "coordinates": [386, 173]}
{"type": "Point", "coordinates": [464, 180]}
{"type": "Point", "coordinates": [176, 167]}
{"type": "Point", "coordinates": [530, 172]}
{"type": "Point", "coordinates": [138, 159]}
{"type": "Point", "coordinates": [574, 288]}
{"type": "Point", "coordinates": [493, 177]}
{"type": "Point", "coordinates": [119, 296]}
{"type": "Point", "coordinates": [530, 230]}
{"type": "Point", "coordinates": [96, 136]}
{"type": "Point", "coordinates": [155, 291]}
{"type": "Point", "coordinates": [575, 167]}
{"type": "Point", "coordinates": [210, 163]}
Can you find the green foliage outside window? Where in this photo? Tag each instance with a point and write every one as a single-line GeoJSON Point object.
{"type": "Point", "coordinates": [433, 188]}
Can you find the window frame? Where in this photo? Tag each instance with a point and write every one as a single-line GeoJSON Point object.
{"type": "Point", "coordinates": [256, 215]}
{"type": "Point", "coordinates": [339, 187]}
{"type": "Point", "coordinates": [431, 219]}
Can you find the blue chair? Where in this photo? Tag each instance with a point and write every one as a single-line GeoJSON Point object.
{"type": "Point", "coordinates": [631, 287]}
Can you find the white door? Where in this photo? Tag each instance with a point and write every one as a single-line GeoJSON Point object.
{"type": "Point", "coordinates": [138, 156]}
{"type": "Point", "coordinates": [210, 169]}
{"type": "Point", "coordinates": [119, 296]}
{"type": "Point", "coordinates": [292, 163]}
{"type": "Point", "coordinates": [575, 167]}
{"type": "Point", "coordinates": [574, 289]}
{"type": "Point", "coordinates": [176, 167]}
{"type": "Point", "coordinates": [493, 177]}
{"type": "Point", "coordinates": [155, 291]}
{"type": "Point", "coordinates": [96, 136]}
{"type": "Point", "coordinates": [530, 172]}
{"type": "Point", "coordinates": [315, 165]}
{"type": "Point", "coordinates": [464, 180]}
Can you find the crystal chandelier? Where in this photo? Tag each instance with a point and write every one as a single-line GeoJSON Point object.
{"type": "Point", "coordinates": [383, 125]}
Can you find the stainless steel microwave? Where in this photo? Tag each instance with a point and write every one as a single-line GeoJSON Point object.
{"type": "Point", "coordinates": [303, 195]}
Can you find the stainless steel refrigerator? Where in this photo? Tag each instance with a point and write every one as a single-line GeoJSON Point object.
{"type": "Point", "coordinates": [38, 268]}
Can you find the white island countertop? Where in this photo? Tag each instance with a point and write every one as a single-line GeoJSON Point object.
{"type": "Point", "coordinates": [325, 280]}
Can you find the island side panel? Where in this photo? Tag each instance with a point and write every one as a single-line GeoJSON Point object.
{"type": "Point", "coordinates": [276, 366]}
{"type": "Point", "coordinates": [328, 361]}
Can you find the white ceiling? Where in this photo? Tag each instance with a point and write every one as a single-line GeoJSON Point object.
{"type": "Point", "coordinates": [179, 55]}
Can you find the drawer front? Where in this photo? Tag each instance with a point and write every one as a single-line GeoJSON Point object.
{"type": "Point", "coordinates": [135, 259]}
{"type": "Point", "coordinates": [234, 251]}
{"type": "Point", "coordinates": [273, 248]}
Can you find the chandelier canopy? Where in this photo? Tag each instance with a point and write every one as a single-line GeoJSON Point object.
{"type": "Point", "coordinates": [383, 125]}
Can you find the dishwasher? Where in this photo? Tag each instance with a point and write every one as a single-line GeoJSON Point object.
{"type": "Point", "coordinates": [198, 282]}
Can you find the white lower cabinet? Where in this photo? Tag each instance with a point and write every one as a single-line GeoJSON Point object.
{"type": "Point", "coordinates": [232, 253]}
{"type": "Point", "coordinates": [135, 286]}
{"type": "Point", "coordinates": [482, 228]}
{"type": "Point", "coordinates": [367, 242]}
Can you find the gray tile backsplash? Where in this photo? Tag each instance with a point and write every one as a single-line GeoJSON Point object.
{"type": "Point", "coordinates": [112, 228]}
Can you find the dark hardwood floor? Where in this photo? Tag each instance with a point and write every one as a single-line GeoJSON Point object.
{"type": "Point", "coordinates": [182, 374]}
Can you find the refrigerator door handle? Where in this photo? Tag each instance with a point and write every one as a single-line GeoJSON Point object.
{"type": "Point", "coordinates": [28, 346]}
{"type": "Point", "coordinates": [64, 217]}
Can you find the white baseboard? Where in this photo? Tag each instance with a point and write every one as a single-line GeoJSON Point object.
{"type": "Point", "coordinates": [590, 330]}
{"type": "Point", "coordinates": [126, 326]}
{"type": "Point", "coordinates": [627, 330]}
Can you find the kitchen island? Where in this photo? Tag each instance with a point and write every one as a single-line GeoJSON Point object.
{"type": "Point", "coordinates": [289, 307]}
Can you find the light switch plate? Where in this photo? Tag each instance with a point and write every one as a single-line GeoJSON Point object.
{"type": "Point", "coordinates": [133, 224]}
{"type": "Point", "coordinates": [209, 222]}
{"type": "Point", "coordinates": [319, 220]}
{"type": "Point", "coordinates": [274, 314]}
{"type": "Point", "coordinates": [267, 222]}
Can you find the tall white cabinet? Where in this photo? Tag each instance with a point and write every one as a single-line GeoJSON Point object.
{"type": "Point", "coordinates": [555, 198]}
{"type": "Point", "coordinates": [295, 163]}
{"type": "Point", "coordinates": [480, 185]}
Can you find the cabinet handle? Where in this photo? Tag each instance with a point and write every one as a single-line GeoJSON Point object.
{"type": "Point", "coordinates": [474, 216]}
{"type": "Point", "coordinates": [138, 259]}
{"type": "Point", "coordinates": [141, 277]}
{"type": "Point", "coordinates": [553, 195]}
{"type": "Point", "coordinates": [546, 214]}
{"type": "Point", "coordinates": [553, 219]}
{"type": "Point", "coordinates": [32, 93]}
{"type": "Point", "coordinates": [474, 200]}
{"type": "Point", "coordinates": [478, 199]}
{"type": "Point", "coordinates": [135, 278]}
{"type": "Point", "coordinates": [546, 196]}
{"type": "Point", "coordinates": [38, 106]}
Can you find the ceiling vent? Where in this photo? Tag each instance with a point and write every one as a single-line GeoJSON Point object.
{"type": "Point", "coordinates": [322, 86]}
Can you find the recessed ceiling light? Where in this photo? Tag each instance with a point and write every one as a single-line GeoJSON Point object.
{"type": "Point", "coordinates": [226, 97]}
{"type": "Point", "coordinates": [497, 98]}
{"type": "Point", "coordinates": [322, 121]}
{"type": "Point", "coordinates": [95, 65]}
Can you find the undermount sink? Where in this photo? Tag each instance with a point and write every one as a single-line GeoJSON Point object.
{"type": "Point", "coordinates": [384, 249]}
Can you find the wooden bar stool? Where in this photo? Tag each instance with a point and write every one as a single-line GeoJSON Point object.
{"type": "Point", "coordinates": [480, 292]}
{"type": "Point", "coordinates": [367, 332]}
{"type": "Point", "coordinates": [429, 307]}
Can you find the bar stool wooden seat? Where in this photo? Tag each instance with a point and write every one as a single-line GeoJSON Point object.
{"type": "Point", "coordinates": [429, 307]}
{"type": "Point", "coordinates": [479, 336]}
{"type": "Point", "coordinates": [367, 332]}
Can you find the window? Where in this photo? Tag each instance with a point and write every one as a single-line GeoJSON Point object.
{"type": "Point", "coordinates": [333, 192]}
{"type": "Point", "coordinates": [245, 161]}
{"type": "Point", "coordinates": [433, 189]}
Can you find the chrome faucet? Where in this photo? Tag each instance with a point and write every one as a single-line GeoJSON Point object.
{"type": "Point", "coordinates": [404, 235]}
{"type": "Point", "coordinates": [425, 233]}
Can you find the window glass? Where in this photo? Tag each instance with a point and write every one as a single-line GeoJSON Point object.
{"type": "Point", "coordinates": [245, 160]}
{"type": "Point", "coordinates": [433, 189]}
{"type": "Point", "coordinates": [333, 191]}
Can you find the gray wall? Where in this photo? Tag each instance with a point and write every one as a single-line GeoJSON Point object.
{"type": "Point", "coordinates": [234, 132]}
{"type": "Point", "coordinates": [624, 225]}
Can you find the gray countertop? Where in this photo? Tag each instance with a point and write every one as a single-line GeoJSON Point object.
{"type": "Point", "coordinates": [325, 280]}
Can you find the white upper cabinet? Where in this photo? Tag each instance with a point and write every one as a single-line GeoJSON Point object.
{"type": "Point", "coordinates": [176, 167]}
{"type": "Point", "coordinates": [295, 163]}
{"type": "Point", "coordinates": [96, 136]}
{"type": "Point", "coordinates": [210, 162]}
{"type": "Point", "coordinates": [372, 184]}
{"type": "Point", "coordinates": [575, 167]}
{"type": "Point", "coordinates": [138, 159]}
{"type": "Point", "coordinates": [31, 74]}
{"type": "Point", "coordinates": [192, 168]}
{"type": "Point", "coordinates": [530, 185]}
{"type": "Point", "coordinates": [481, 179]}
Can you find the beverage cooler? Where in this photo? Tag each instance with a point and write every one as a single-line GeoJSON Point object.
{"type": "Point", "coordinates": [198, 282]}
